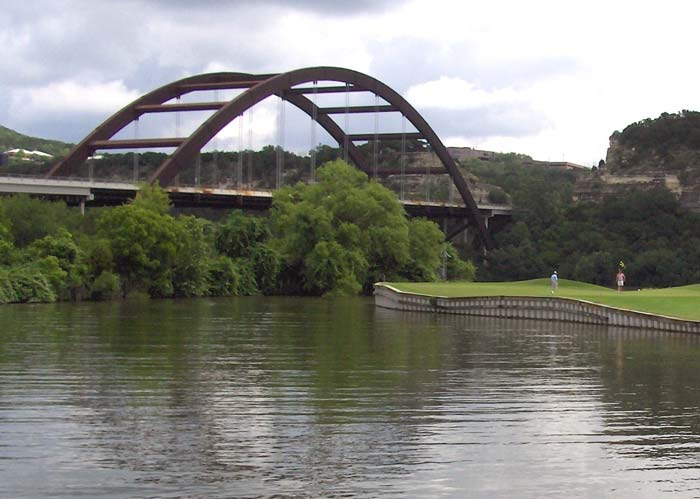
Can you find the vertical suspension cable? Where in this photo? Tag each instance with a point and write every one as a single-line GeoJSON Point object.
{"type": "Point", "coordinates": [250, 148]}
{"type": "Point", "coordinates": [215, 153]}
{"type": "Point", "coordinates": [177, 119]}
{"type": "Point", "coordinates": [280, 142]}
{"type": "Point", "coordinates": [403, 157]}
{"type": "Point", "coordinates": [239, 170]}
{"type": "Point", "coordinates": [431, 156]}
{"type": "Point", "coordinates": [136, 153]}
{"type": "Point", "coordinates": [177, 134]}
{"type": "Point", "coordinates": [346, 141]}
{"type": "Point", "coordinates": [375, 145]}
{"type": "Point", "coordinates": [314, 117]}
{"type": "Point", "coordinates": [198, 169]}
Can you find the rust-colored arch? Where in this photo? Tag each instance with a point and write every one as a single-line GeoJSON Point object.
{"type": "Point", "coordinates": [132, 111]}
{"type": "Point", "coordinates": [260, 87]}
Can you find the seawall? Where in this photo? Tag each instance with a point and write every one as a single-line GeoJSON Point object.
{"type": "Point", "coordinates": [541, 308]}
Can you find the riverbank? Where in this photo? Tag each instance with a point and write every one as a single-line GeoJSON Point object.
{"type": "Point", "coordinates": [573, 301]}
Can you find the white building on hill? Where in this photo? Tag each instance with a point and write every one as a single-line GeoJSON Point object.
{"type": "Point", "coordinates": [28, 155]}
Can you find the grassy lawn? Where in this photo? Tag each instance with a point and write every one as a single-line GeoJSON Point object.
{"type": "Point", "coordinates": [682, 302]}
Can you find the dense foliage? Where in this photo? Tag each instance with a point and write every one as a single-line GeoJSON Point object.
{"type": "Point", "coordinates": [337, 235]}
{"type": "Point", "coordinates": [344, 232]}
{"type": "Point", "coordinates": [662, 135]}
{"type": "Point", "coordinates": [657, 240]}
{"type": "Point", "coordinates": [9, 139]}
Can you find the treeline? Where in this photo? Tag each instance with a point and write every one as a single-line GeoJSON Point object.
{"type": "Point", "coordinates": [662, 135]}
{"type": "Point", "coordinates": [258, 168]}
{"type": "Point", "coordinates": [9, 139]}
{"type": "Point", "coordinates": [657, 240]}
{"type": "Point", "coordinates": [338, 235]}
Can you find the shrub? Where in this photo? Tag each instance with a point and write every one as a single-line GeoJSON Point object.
{"type": "Point", "coordinates": [106, 286]}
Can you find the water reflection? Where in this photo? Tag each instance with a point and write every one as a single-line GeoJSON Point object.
{"type": "Point", "coordinates": [262, 396]}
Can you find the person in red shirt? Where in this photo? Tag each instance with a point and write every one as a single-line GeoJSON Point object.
{"type": "Point", "coordinates": [620, 278]}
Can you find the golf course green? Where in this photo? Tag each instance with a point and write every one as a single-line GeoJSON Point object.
{"type": "Point", "coordinates": [682, 302]}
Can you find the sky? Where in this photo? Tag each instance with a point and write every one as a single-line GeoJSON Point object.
{"type": "Point", "coordinates": [552, 80]}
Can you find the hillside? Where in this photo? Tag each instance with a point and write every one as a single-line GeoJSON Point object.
{"type": "Point", "coordinates": [669, 143]}
{"type": "Point", "coordinates": [9, 139]}
{"type": "Point", "coordinates": [651, 153]}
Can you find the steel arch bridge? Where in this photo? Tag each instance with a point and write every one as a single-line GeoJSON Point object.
{"type": "Point", "coordinates": [292, 87]}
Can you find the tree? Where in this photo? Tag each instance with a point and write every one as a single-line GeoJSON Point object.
{"type": "Point", "coordinates": [596, 268]}
{"type": "Point", "coordinates": [63, 248]}
{"type": "Point", "coordinates": [239, 233]}
{"type": "Point", "coordinates": [28, 219]}
{"type": "Point", "coordinates": [144, 241]}
{"type": "Point", "coordinates": [195, 248]}
{"type": "Point", "coordinates": [425, 243]}
{"type": "Point", "coordinates": [456, 268]}
{"type": "Point", "coordinates": [244, 239]}
{"type": "Point", "coordinates": [153, 198]}
{"type": "Point", "coordinates": [144, 245]}
{"type": "Point", "coordinates": [7, 248]}
{"type": "Point", "coordinates": [346, 232]}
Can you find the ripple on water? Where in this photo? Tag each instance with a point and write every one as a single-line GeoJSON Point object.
{"type": "Point", "coordinates": [267, 396]}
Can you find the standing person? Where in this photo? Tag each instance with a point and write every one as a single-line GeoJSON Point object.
{"type": "Point", "coordinates": [620, 278]}
{"type": "Point", "coordinates": [554, 281]}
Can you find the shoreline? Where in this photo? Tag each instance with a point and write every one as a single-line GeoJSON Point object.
{"type": "Point", "coordinates": [530, 307]}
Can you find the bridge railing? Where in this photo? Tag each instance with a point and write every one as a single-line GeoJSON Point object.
{"type": "Point", "coordinates": [224, 188]}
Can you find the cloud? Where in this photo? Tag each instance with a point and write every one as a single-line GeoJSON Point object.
{"type": "Point", "coordinates": [72, 97]}
{"type": "Point", "coordinates": [455, 93]}
{"type": "Point", "coordinates": [458, 108]}
{"type": "Point", "coordinates": [538, 76]}
{"type": "Point", "coordinates": [329, 7]}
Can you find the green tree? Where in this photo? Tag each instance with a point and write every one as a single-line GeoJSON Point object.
{"type": "Point", "coordinates": [239, 233]}
{"type": "Point", "coordinates": [456, 268]}
{"type": "Point", "coordinates": [195, 248]}
{"type": "Point", "coordinates": [596, 268]}
{"type": "Point", "coordinates": [7, 247]}
{"type": "Point", "coordinates": [244, 239]}
{"type": "Point", "coordinates": [425, 240]}
{"type": "Point", "coordinates": [105, 286]}
{"type": "Point", "coordinates": [656, 268]}
{"type": "Point", "coordinates": [29, 282]}
{"type": "Point", "coordinates": [223, 277]}
{"type": "Point", "coordinates": [266, 264]}
{"type": "Point", "coordinates": [28, 219]}
{"type": "Point", "coordinates": [153, 198]}
{"type": "Point", "coordinates": [144, 245]}
{"type": "Point", "coordinates": [63, 248]}
{"type": "Point", "coordinates": [345, 232]}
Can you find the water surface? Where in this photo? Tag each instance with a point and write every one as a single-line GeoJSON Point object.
{"type": "Point", "coordinates": [252, 397]}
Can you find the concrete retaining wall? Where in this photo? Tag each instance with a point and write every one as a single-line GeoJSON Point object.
{"type": "Point", "coordinates": [543, 308]}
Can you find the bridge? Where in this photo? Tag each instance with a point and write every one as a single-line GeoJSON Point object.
{"type": "Point", "coordinates": [301, 88]}
{"type": "Point", "coordinates": [86, 192]}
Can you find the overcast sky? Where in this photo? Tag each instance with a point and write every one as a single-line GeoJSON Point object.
{"type": "Point", "coordinates": [548, 79]}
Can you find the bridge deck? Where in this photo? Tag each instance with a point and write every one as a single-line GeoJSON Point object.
{"type": "Point", "coordinates": [102, 193]}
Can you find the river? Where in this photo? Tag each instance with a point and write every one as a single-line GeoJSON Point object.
{"type": "Point", "coordinates": [251, 397]}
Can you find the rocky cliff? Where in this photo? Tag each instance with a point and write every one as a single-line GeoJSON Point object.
{"type": "Point", "coordinates": [651, 153]}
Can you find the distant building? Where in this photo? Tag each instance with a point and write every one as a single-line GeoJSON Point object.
{"type": "Point", "coordinates": [559, 165]}
{"type": "Point", "coordinates": [27, 155]}
{"type": "Point", "coordinates": [462, 153]}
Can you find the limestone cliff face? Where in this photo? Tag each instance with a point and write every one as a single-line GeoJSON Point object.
{"type": "Point", "coordinates": [626, 159]}
{"type": "Point", "coordinates": [663, 160]}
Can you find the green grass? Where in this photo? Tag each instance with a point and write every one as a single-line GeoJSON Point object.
{"type": "Point", "coordinates": [682, 302]}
